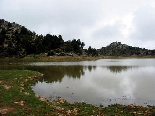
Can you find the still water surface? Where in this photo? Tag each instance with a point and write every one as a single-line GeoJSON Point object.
{"type": "Point", "coordinates": [106, 81]}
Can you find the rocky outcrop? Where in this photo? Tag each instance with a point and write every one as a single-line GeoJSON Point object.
{"type": "Point", "coordinates": [12, 39]}
{"type": "Point", "coordinates": [119, 49]}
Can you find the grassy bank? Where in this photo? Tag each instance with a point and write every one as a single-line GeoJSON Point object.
{"type": "Point", "coordinates": [17, 98]}
{"type": "Point", "coordinates": [67, 58]}
{"type": "Point", "coordinates": [51, 59]}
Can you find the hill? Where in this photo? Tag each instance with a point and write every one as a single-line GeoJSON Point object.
{"type": "Point", "coordinates": [18, 41]}
{"type": "Point", "coordinates": [119, 49]}
{"type": "Point", "coordinates": [15, 39]}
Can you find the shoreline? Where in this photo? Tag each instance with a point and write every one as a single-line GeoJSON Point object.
{"type": "Point", "coordinates": [69, 58]}
{"type": "Point", "coordinates": [17, 97]}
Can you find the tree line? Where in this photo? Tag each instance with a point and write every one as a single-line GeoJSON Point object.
{"type": "Point", "coordinates": [24, 43]}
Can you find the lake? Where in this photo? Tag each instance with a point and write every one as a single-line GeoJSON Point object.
{"type": "Point", "coordinates": [105, 81]}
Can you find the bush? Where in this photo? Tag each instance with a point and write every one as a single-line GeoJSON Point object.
{"type": "Point", "coordinates": [51, 53]}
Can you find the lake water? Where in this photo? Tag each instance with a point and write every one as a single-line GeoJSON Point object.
{"type": "Point", "coordinates": [105, 81]}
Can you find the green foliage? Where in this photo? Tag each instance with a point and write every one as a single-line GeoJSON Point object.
{"type": "Point", "coordinates": [75, 46]}
{"type": "Point", "coordinates": [39, 47]}
{"type": "Point", "coordinates": [25, 31]}
{"type": "Point", "coordinates": [51, 53]}
{"type": "Point", "coordinates": [2, 36]}
{"type": "Point", "coordinates": [92, 51]}
{"type": "Point", "coordinates": [52, 42]}
{"type": "Point", "coordinates": [10, 98]}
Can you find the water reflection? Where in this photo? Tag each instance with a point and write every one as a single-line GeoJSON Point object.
{"type": "Point", "coordinates": [118, 69]}
{"type": "Point", "coordinates": [52, 73]}
{"type": "Point", "coordinates": [102, 87]}
{"type": "Point", "coordinates": [56, 73]}
{"type": "Point", "coordinates": [108, 81]}
{"type": "Point", "coordinates": [90, 68]}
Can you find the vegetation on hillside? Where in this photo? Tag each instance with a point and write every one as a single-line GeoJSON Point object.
{"type": "Point", "coordinates": [119, 49]}
{"type": "Point", "coordinates": [18, 41]}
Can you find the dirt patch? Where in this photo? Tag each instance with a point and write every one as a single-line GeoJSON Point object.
{"type": "Point", "coordinates": [6, 110]}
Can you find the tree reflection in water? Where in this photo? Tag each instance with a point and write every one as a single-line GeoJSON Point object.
{"type": "Point", "coordinates": [56, 73]}
{"type": "Point", "coordinates": [91, 67]}
{"type": "Point", "coordinates": [118, 69]}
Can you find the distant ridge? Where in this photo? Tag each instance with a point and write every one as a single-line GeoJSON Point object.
{"type": "Point", "coordinates": [119, 49]}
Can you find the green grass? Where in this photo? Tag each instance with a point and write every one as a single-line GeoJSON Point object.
{"type": "Point", "coordinates": [17, 98]}
{"type": "Point", "coordinates": [11, 98]}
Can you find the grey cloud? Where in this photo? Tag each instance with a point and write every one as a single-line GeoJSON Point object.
{"type": "Point", "coordinates": [144, 24]}
{"type": "Point", "coordinates": [75, 18]}
{"type": "Point", "coordinates": [109, 33]}
{"type": "Point", "coordinates": [67, 17]}
{"type": "Point", "coordinates": [58, 12]}
{"type": "Point", "coordinates": [104, 35]}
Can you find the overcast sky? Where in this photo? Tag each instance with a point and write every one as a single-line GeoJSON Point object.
{"type": "Point", "coordinates": [95, 22]}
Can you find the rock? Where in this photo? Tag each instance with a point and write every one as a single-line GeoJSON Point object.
{"type": "Point", "coordinates": [3, 111]}
{"type": "Point", "coordinates": [131, 106]}
{"type": "Point", "coordinates": [43, 99]}
{"type": "Point", "coordinates": [62, 101]}
{"type": "Point", "coordinates": [21, 89]}
{"type": "Point", "coordinates": [21, 84]}
{"type": "Point", "coordinates": [69, 112]}
{"type": "Point", "coordinates": [29, 77]}
{"type": "Point", "coordinates": [21, 103]}
{"type": "Point", "coordinates": [36, 95]}
{"type": "Point", "coordinates": [26, 93]}
{"type": "Point", "coordinates": [26, 80]}
{"type": "Point", "coordinates": [7, 87]}
{"type": "Point", "coordinates": [75, 111]}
